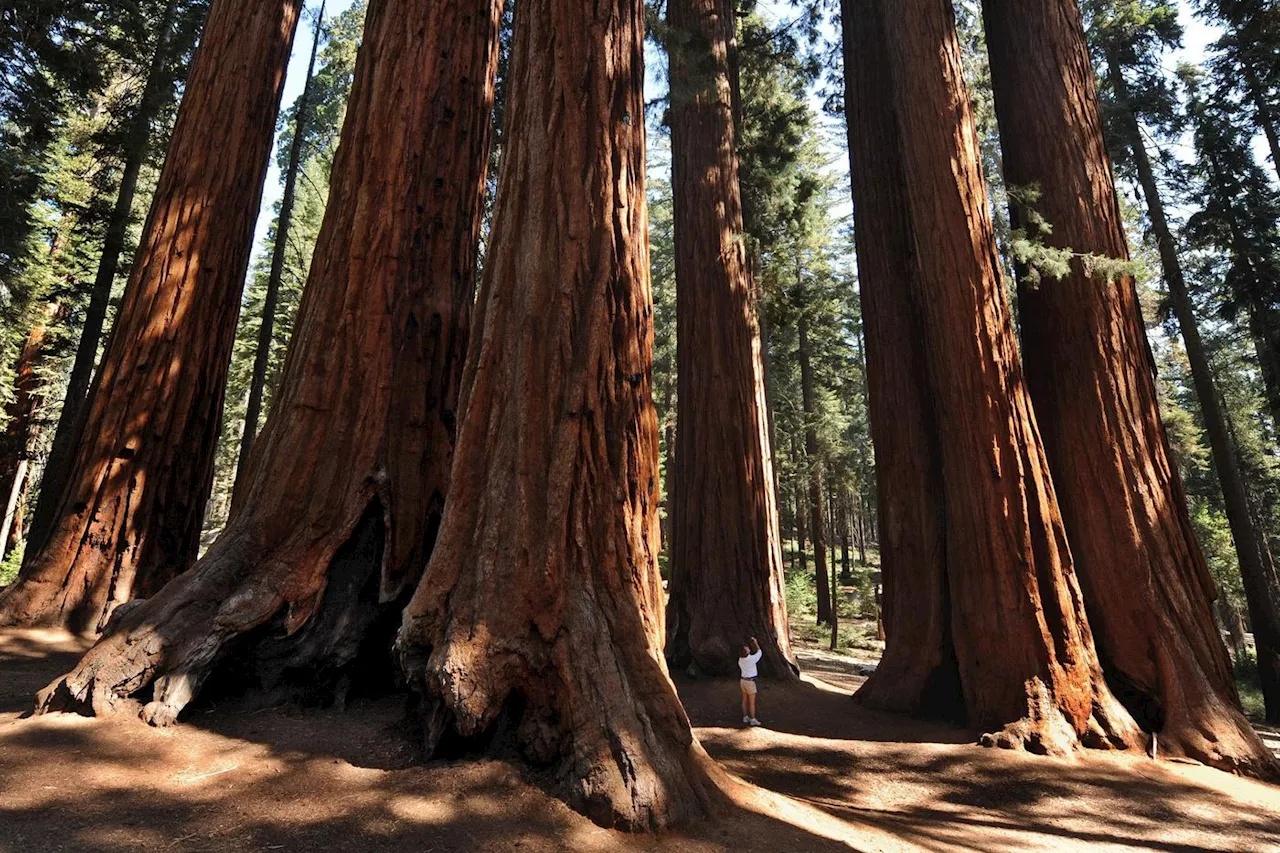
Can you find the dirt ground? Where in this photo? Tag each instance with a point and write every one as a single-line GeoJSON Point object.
{"type": "Point", "coordinates": [831, 777]}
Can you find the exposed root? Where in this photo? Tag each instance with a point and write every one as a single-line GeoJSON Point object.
{"type": "Point", "coordinates": [278, 622]}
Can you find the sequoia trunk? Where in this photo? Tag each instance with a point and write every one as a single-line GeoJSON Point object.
{"type": "Point", "coordinates": [1026, 657]}
{"type": "Point", "coordinates": [541, 613]}
{"type": "Point", "coordinates": [725, 550]}
{"type": "Point", "coordinates": [284, 222]}
{"type": "Point", "coordinates": [157, 95]}
{"type": "Point", "coordinates": [1147, 589]}
{"type": "Point", "coordinates": [347, 482]}
{"type": "Point", "coordinates": [20, 424]}
{"type": "Point", "coordinates": [129, 516]}
{"type": "Point", "coordinates": [918, 671]}
{"type": "Point", "coordinates": [1257, 569]}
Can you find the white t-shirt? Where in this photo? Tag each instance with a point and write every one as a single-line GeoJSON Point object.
{"type": "Point", "coordinates": [747, 665]}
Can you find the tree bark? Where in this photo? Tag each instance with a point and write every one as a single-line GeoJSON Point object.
{"type": "Point", "coordinates": [1258, 571]}
{"type": "Point", "coordinates": [284, 221]}
{"type": "Point", "coordinates": [1027, 663]}
{"type": "Point", "coordinates": [918, 673]}
{"type": "Point", "coordinates": [726, 554]}
{"type": "Point", "coordinates": [1147, 588]}
{"type": "Point", "coordinates": [129, 516]}
{"type": "Point", "coordinates": [814, 465]}
{"type": "Point", "coordinates": [541, 614]}
{"type": "Point", "coordinates": [20, 426]}
{"type": "Point", "coordinates": [1264, 113]}
{"type": "Point", "coordinates": [157, 94]}
{"type": "Point", "coordinates": [347, 484]}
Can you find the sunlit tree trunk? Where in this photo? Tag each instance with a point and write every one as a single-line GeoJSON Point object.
{"type": "Point", "coordinates": [1028, 668]}
{"type": "Point", "coordinates": [541, 612]}
{"type": "Point", "coordinates": [347, 483]}
{"type": "Point", "coordinates": [1257, 569]}
{"type": "Point", "coordinates": [130, 513]}
{"type": "Point", "coordinates": [1147, 589]}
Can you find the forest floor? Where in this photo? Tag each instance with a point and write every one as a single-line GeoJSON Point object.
{"type": "Point", "coordinates": [831, 777]}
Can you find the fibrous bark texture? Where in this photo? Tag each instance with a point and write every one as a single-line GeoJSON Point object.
{"type": "Point", "coordinates": [918, 671]}
{"type": "Point", "coordinates": [1258, 569]}
{"type": "Point", "coordinates": [1026, 658]}
{"type": "Point", "coordinates": [130, 513]}
{"type": "Point", "coordinates": [347, 481]}
{"type": "Point", "coordinates": [541, 613]}
{"type": "Point", "coordinates": [725, 552]}
{"type": "Point", "coordinates": [1147, 589]}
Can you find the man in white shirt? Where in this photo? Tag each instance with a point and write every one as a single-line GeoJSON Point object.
{"type": "Point", "coordinates": [747, 661]}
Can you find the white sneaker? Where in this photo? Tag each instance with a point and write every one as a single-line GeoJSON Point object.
{"type": "Point", "coordinates": [753, 722]}
{"type": "Point", "coordinates": [746, 721]}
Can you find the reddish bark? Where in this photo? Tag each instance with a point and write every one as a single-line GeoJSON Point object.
{"type": "Point", "coordinates": [1258, 569]}
{"type": "Point", "coordinates": [347, 481]}
{"type": "Point", "coordinates": [130, 514]}
{"type": "Point", "coordinates": [725, 550]}
{"type": "Point", "coordinates": [541, 613]}
{"type": "Point", "coordinates": [1147, 589]}
{"type": "Point", "coordinates": [20, 426]}
{"type": "Point", "coordinates": [1026, 658]}
{"type": "Point", "coordinates": [918, 671]}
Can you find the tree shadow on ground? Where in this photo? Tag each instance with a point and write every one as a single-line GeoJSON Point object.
{"type": "Point", "coordinates": [235, 777]}
{"type": "Point", "coordinates": [945, 793]}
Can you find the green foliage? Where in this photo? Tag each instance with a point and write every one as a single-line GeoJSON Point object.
{"type": "Point", "coordinates": [1249, 683]}
{"type": "Point", "coordinates": [10, 565]}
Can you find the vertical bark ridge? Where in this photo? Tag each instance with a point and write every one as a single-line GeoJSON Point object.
{"type": "Point", "coordinates": [725, 553]}
{"type": "Point", "coordinates": [347, 481]}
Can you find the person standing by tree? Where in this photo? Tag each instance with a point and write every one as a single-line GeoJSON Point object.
{"type": "Point", "coordinates": [747, 665]}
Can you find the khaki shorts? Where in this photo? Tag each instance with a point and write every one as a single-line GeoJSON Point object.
{"type": "Point", "coordinates": [748, 686]}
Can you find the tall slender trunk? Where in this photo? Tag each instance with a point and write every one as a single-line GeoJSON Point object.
{"type": "Point", "coordinates": [20, 425]}
{"type": "Point", "coordinates": [1028, 667]}
{"type": "Point", "coordinates": [1257, 570]}
{"type": "Point", "coordinates": [258, 382]}
{"type": "Point", "coordinates": [1264, 329]}
{"type": "Point", "coordinates": [157, 94]}
{"type": "Point", "coordinates": [347, 489]}
{"type": "Point", "coordinates": [1147, 588]}
{"type": "Point", "coordinates": [918, 672]}
{"type": "Point", "coordinates": [541, 612]}
{"type": "Point", "coordinates": [801, 527]}
{"type": "Point", "coordinates": [726, 554]}
{"type": "Point", "coordinates": [846, 510]}
{"type": "Point", "coordinates": [813, 463]}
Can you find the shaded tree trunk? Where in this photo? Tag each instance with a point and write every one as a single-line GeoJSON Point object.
{"type": "Point", "coordinates": [157, 95]}
{"type": "Point", "coordinates": [258, 380]}
{"type": "Point", "coordinates": [347, 484]}
{"type": "Point", "coordinates": [1258, 571]}
{"type": "Point", "coordinates": [541, 612]}
{"type": "Point", "coordinates": [20, 426]}
{"type": "Point", "coordinates": [814, 464]}
{"type": "Point", "coordinates": [1147, 588]}
{"type": "Point", "coordinates": [846, 511]}
{"type": "Point", "coordinates": [726, 554]}
{"type": "Point", "coordinates": [1028, 668]}
{"type": "Point", "coordinates": [1264, 329]}
{"type": "Point", "coordinates": [918, 673]}
{"type": "Point", "coordinates": [129, 516]}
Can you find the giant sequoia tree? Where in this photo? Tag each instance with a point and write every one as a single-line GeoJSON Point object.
{"type": "Point", "coordinates": [918, 671]}
{"type": "Point", "coordinates": [1025, 655]}
{"type": "Point", "coordinates": [129, 516]}
{"type": "Point", "coordinates": [541, 612]}
{"type": "Point", "coordinates": [346, 484]}
{"type": "Point", "coordinates": [725, 557]}
{"type": "Point", "coordinates": [1146, 585]}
